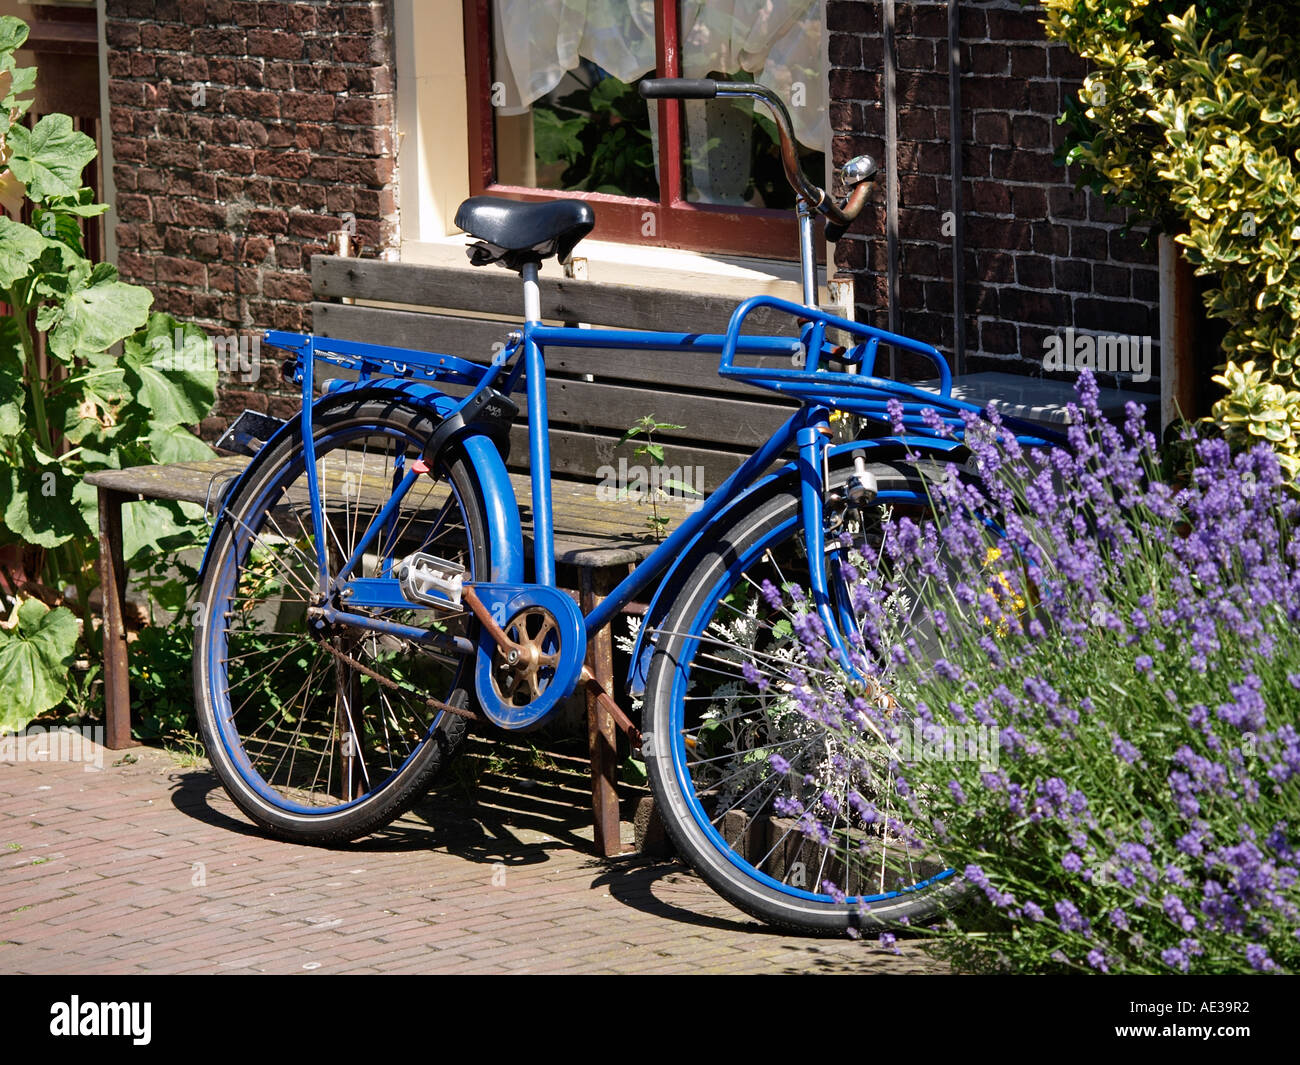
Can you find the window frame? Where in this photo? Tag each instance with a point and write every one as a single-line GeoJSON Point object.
{"type": "Point", "coordinates": [762, 232]}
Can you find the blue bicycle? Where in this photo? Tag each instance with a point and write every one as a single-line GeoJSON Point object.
{"type": "Point", "coordinates": [366, 590]}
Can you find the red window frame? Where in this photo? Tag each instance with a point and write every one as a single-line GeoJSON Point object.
{"type": "Point", "coordinates": [755, 231]}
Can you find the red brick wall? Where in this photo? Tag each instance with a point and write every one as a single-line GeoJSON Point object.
{"type": "Point", "coordinates": [222, 198]}
{"type": "Point", "coordinates": [1039, 255]}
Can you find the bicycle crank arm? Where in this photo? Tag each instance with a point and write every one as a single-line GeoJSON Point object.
{"type": "Point", "coordinates": [509, 648]}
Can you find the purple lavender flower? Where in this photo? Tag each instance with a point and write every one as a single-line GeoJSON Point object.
{"type": "Point", "coordinates": [1122, 577]}
{"type": "Point", "coordinates": [1177, 912]}
{"type": "Point", "coordinates": [1124, 750]}
{"type": "Point", "coordinates": [895, 411]}
{"type": "Point", "coordinates": [1070, 919]}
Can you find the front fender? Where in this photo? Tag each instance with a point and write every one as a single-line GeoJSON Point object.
{"type": "Point", "coordinates": [883, 449]}
{"type": "Point", "coordinates": [505, 536]}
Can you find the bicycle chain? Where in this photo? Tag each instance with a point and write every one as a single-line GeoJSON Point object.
{"type": "Point", "coordinates": [436, 704]}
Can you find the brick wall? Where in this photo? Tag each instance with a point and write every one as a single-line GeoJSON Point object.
{"type": "Point", "coordinates": [242, 135]}
{"type": "Point", "coordinates": [1039, 255]}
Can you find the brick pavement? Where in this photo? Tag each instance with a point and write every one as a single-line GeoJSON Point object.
{"type": "Point", "coordinates": [145, 866]}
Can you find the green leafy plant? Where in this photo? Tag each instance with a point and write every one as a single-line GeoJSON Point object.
{"type": "Point", "coordinates": [89, 378]}
{"type": "Point", "coordinates": [601, 134]}
{"type": "Point", "coordinates": [1256, 409]}
{"type": "Point", "coordinates": [657, 491]}
{"type": "Point", "coordinates": [1191, 116]}
{"type": "Point", "coordinates": [36, 647]}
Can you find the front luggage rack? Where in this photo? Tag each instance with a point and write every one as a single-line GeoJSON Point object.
{"type": "Point", "coordinates": [863, 393]}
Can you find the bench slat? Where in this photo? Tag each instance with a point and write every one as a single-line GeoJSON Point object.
{"type": "Point", "coordinates": [579, 455]}
{"type": "Point", "coordinates": [589, 531]}
{"type": "Point", "coordinates": [595, 405]}
{"type": "Point", "coordinates": [492, 291]}
{"type": "Point", "coordinates": [187, 482]}
{"type": "Point", "coordinates": [480, 339]}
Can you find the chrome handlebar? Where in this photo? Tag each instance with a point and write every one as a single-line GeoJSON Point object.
{"type": "Point", "coordinates": [855, 174]}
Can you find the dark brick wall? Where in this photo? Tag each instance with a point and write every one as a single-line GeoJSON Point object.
{"type": "Point", "coordinates": [222, 199]}
{"type": "Point", "coordinates": [1038, 254]}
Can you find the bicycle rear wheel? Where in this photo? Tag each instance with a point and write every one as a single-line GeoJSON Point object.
{"type": "Point", "coordinates": [325, 736]}
{"type": "Point", "coordinates": [719, 708]}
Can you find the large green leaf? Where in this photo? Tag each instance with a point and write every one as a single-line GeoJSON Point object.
{"type": "Point", "coordinates": [34, 659]}
{"type": "Point", "coordinates": [41, 507]}
{"type": "Point", "coordinates": [150, 527]}
{"type": "Point", "coordinates": [96, 317]}
{"type": "Point", "coordinates": [13, 32]}
{"type": "Point", "coordinates": [20, 246]}
{"type": "Point", "coordinates": [79, 408]}
{"type": "Point", "coordinates": [56, 225]}
{"type": "Point", "coordinates": [49, 157]}
{"type": "Point", "coordinates": [82, 204]}
{"type": "Point", "coordinates": [175, 384]}
{"type": "Point", "coordinates": [175, 443]}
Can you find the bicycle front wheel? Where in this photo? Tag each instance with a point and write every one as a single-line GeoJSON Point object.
{"type": "Point", "coordinates": [734, 763]}
{"type": "Point", "coordinates": [325, 736]}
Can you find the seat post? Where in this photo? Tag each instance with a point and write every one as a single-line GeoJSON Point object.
{"type": "Point", "coordinates": [532, 293]}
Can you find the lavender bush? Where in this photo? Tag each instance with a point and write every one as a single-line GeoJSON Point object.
{"type": "Point", "coordinates": [1133, 646]}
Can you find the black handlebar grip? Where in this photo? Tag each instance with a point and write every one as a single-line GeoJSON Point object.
{"type": "Point", "coordinates": [679, 88]}
{"type": "Point", "coordinates": [835, 230]}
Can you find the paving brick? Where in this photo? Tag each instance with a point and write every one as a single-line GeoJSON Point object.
{"type": "Point", "coordinates": [115, 896]}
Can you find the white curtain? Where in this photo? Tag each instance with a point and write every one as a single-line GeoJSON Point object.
{"type": "Point", "coordinates": [539, 41]}
{"type": "Point", "coordinates": [777, 41]}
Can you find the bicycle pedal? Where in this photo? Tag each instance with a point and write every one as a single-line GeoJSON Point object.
{"type": "Point", "coordinates": [431, 580]}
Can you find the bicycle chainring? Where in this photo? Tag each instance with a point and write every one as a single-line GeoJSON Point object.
{"type": "Point", "coordinates": [522, 691]}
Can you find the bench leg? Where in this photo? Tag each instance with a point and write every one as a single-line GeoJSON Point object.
{"type": "Point", "coordinates": [112, 585]}
{"type": "Point", "coordinates": [601, 732]}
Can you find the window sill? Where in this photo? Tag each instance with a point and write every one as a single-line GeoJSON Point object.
{"type": "Point", "coordinates": [631, 264]}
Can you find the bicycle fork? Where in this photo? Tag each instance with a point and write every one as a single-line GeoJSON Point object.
{"type": "Point", "coordinates": [814, 442]}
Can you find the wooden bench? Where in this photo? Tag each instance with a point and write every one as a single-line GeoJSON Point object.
{"type": "Point", "coordinates": [593, 397]}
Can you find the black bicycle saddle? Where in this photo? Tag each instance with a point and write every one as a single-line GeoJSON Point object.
{"type": "Point", "coordinates": [513, 233]}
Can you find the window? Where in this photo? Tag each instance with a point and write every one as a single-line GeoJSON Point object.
{"type": "Point", "coordinates": [554, 111]}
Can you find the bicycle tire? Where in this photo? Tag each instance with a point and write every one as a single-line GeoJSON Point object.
{"type": "Point", "coordinates": [751, 856]}
{"type": "Point", "coordinates": [359, 752]}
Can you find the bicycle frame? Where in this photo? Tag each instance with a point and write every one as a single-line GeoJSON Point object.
{"type": "Point", "coordinates": [806, 430]}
